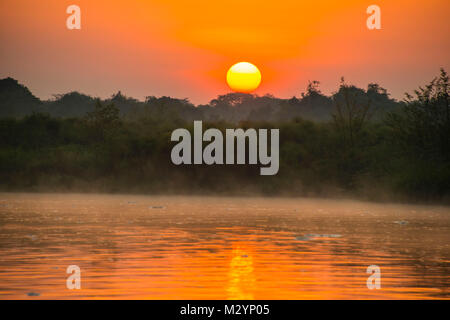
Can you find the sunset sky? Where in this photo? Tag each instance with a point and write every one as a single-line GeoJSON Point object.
{"type": "Point", "coordinates": [183, 49]}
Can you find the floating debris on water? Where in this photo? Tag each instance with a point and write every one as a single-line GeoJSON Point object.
{"type": "Point", "coordinates": [302, 238]}
{"type": "Point", "coordinates": [32, 237]}
{"type": "Point", "coordinates": [312, 236]}
{"type": "Point", "coordinates": [323, 235]}
{"type": "Point", "coordinates": [157, 207]}
{"type": "Point", "coordinates": [401, 222]}
{"type": "Point", "coordinates": [33, 294]}
{"type": "Point", "coordinates": [331, 236]}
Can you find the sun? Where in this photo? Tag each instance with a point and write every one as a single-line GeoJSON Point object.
{"type": "Point", "coordinates": [243, 77]}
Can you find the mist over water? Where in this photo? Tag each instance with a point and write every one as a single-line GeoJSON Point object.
{"type": "Point", "coordinates": [167, 247]}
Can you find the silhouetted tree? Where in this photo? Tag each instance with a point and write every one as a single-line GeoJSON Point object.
{"type": "Point", "coordinates": [104, 120]}
{"type": "Point", "coordinates": [350, 115]}
{"type": "Point", "coordinates": [422, 126]}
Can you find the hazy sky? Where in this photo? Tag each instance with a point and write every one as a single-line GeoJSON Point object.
{"type": "Point", "coordinates": [184, 48]}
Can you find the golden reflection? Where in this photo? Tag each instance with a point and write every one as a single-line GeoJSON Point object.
{"type": "Point", "coordinates": [241, 275]}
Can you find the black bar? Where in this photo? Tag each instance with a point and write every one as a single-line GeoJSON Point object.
{"type": "Point", "coordinates": [223, 309]}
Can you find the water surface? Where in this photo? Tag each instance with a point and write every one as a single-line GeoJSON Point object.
{"type": "Point", "coordinates": [153, 247]}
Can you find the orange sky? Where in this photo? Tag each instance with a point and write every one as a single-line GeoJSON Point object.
{"type": "Point", "coordinates": [184, 48]}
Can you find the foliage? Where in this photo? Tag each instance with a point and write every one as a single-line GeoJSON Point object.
{"type": "Point", "coordinates": [17, 101]}
{"type": "Point", "coordinates": [404, 157]}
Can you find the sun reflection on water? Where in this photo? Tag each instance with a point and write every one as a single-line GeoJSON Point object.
{"type": "Point", "coordinates": [241, 275]}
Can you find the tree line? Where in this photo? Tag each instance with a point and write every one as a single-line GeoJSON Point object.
{"type": "Point", "coordinates": [401, 153]}
{"type": "Point", "coordinates": [17, 101]}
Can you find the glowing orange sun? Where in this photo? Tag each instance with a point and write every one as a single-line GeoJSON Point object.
{"type": "Point", "coordinates": [243, 77]}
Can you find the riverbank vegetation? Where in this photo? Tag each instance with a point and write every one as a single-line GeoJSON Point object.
{"type": "Point", "coordinates": [401, 154]}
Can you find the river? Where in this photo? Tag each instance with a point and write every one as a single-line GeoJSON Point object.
{"type": "Point", "coordinates": [170, 247]}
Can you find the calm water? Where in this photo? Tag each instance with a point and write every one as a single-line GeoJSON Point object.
{"type": "Point", "coordinates": [220, 248]}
